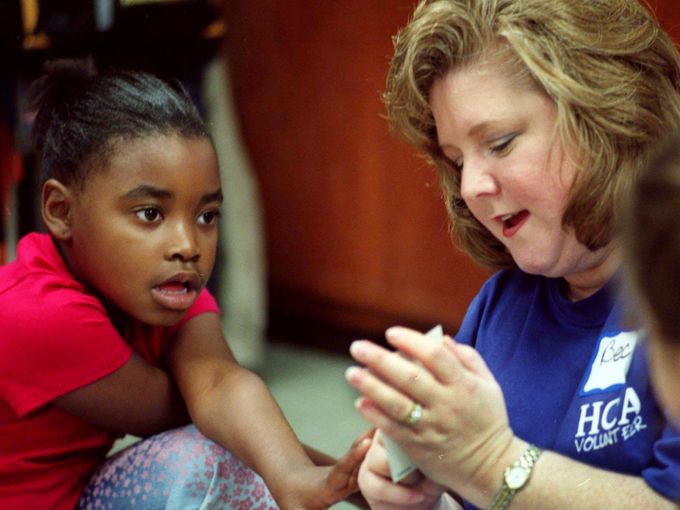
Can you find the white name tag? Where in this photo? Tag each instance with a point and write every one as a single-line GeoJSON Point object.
{"type": "Point", "coordinates": [612, 361]}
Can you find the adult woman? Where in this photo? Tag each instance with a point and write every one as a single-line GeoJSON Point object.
{"type": "Point", "coordinates": [538, 116]}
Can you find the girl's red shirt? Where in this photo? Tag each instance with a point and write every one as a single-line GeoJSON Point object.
{"type": "Point", "coordinates": [55, 337]}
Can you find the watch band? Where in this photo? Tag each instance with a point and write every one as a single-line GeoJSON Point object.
{"type": "Point", "coordinates": [524, 465]}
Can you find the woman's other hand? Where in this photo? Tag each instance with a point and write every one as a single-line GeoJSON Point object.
{"type": "Point", "coordinates": [414, 492]}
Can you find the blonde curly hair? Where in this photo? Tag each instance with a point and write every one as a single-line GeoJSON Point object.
{"type": "Point", "coordinates": [612, 72]}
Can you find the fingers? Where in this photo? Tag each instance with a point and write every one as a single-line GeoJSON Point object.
{"type": "Point", "coordinates": [420, 372]}
{"type": "Point", "coordinates": [343, 477]}
{"type": "Point", "coordinates": [390, 374]}
{"type": "Point", "coordinates": [348, 464]}
{"type": "Point", "coordinates": [381, 405]}
{"type": "Point", "coordinates": [376, 485]}
{"type": "Point", "coordinates": [471, 360]}
{"type": "Point", "coordinates": [378, 489]}
{"type": "Point", "coordinates": [376, 457]}
{"type": "Point", "coordinates": [437, 355]}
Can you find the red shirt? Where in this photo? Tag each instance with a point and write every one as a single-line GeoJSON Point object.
{"type": "Point", "coordinates": [55, 337]}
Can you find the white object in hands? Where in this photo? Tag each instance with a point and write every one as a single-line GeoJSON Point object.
{"type": "Point", "coordinates": [446, 502]}
{"type": "Point", "coordinates": [400, 464]}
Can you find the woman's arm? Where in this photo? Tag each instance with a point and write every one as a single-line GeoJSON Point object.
{"type": "Point", "coordinates": [463, 440]}
{"type": "Point", "coordinates": [558, 483]}
{"type": "Point", "coordinates": [233, 407]}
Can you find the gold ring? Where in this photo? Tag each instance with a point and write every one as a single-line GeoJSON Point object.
{"type": "Point", "coordinates": [414, 415]}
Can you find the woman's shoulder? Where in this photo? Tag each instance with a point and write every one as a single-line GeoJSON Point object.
{"type": "Point", "coordinates": [507, 290]}
{"type": "Point", "coordinates": [509, 281]}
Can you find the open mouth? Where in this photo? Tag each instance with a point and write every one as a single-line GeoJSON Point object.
{"type": "Point", "coordinates": [513, 222]}
{"type": "Point", "coordinates": [175, 287]}
{"type": "Point", "coordinates": [177, 293]}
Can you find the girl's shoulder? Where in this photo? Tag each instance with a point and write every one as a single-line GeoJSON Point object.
{"type": "Point", "coordinates": [40, 301]}
{"type": "Point", "coordinates": [54, 335]}
{"type": "Point", "coordinates": [38, 285]}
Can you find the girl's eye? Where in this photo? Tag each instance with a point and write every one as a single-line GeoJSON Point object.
{"type": "Point", "coordinates": [209, 217]}
{"type": "Point", "coordinates": [149, 214]}
{"type": "Point", "coordinates": [503, 144]}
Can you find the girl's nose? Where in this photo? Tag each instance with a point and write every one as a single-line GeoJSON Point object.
{"type": "Point", "coordinates": [184, 244]}
{"type": "Point", "coordinates": [477, 181]}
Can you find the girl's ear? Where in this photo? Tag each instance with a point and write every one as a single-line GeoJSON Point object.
{"type": "Point", "coordinates": [57, 204]}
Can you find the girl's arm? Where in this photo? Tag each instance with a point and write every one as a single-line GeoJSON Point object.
{"type": "Point", "coordinates": [113, 402]}
{"type": "Point", "coordinates": [233, 407]}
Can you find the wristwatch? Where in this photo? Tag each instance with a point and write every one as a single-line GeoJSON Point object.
{"type": "Point", "coordinates": [515, 477]}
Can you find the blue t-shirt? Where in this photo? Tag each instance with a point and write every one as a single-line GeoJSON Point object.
{"type": "Point", "coordinates": [575, 380]}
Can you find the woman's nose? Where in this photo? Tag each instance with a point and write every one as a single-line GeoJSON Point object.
{"type": "Point", "coordinates": [477, 180]}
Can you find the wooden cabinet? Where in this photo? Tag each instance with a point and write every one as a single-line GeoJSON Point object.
{"type": "Point", "coordinates": [357, 234]}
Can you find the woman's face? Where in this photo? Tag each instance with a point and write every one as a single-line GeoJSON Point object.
{"type": "Point", "coordinates": [516, 177]}
{"type": "Point", "coordinates": [144, 231]}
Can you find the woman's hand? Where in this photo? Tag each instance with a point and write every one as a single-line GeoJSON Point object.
{"type": "Point", "coordinates": [415, 492]}
{"type": "Point", "coordinates": [464, 427]}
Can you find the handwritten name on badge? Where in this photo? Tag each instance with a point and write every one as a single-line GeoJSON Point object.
{"type": "Point", "coordinates": [611, 362]}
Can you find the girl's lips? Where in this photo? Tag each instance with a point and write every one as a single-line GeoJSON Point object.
{"type": "Point", "coordinates": [174, 295]}
{"type": "Point", "coordinates": [512, 224]}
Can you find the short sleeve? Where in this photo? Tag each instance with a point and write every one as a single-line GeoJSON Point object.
{"type": "Point", "coordinates": [205, 303]}
{"type": "Point", "coordinates": [664, 475]}
{"type": "Point", "coordinates": [51, 346]}
{"type": "Point", "coordinates": [151, 343]}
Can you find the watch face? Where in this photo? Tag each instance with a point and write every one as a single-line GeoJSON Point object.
{"type": "Point", "coordinates": [516, 476]}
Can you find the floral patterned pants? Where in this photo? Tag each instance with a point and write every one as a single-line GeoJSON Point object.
{"type": "Point", "coordinates": [176, 470]}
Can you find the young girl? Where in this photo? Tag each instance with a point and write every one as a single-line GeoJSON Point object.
{"type": "Point", "coordinates": [106, 327]}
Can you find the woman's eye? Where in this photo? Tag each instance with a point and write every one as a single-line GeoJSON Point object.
{"type": "Point", "coordinates": [503, 144]}
{"type": "Point", "coordinates": [149, 214]}
{"type": "Point", "coordinates": [209, 217]}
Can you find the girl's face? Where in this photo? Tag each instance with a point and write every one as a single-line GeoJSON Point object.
{"type": "Point", "coordinates": [144, 229]}
{"type": "Point", "coordinates": [516, 177]}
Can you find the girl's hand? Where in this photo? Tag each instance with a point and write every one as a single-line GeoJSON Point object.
{"type": "Point", "coordinates": [464, 427]}
{"type": "Point", "coordinates": [375, 483]}
{"type": "Point", "coordinates": [319, 487]}
{"type": "Point", "coordinates": [341, 482]}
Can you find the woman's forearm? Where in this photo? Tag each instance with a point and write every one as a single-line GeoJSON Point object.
{"type": "Point", "coordinates": [558, 482]}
